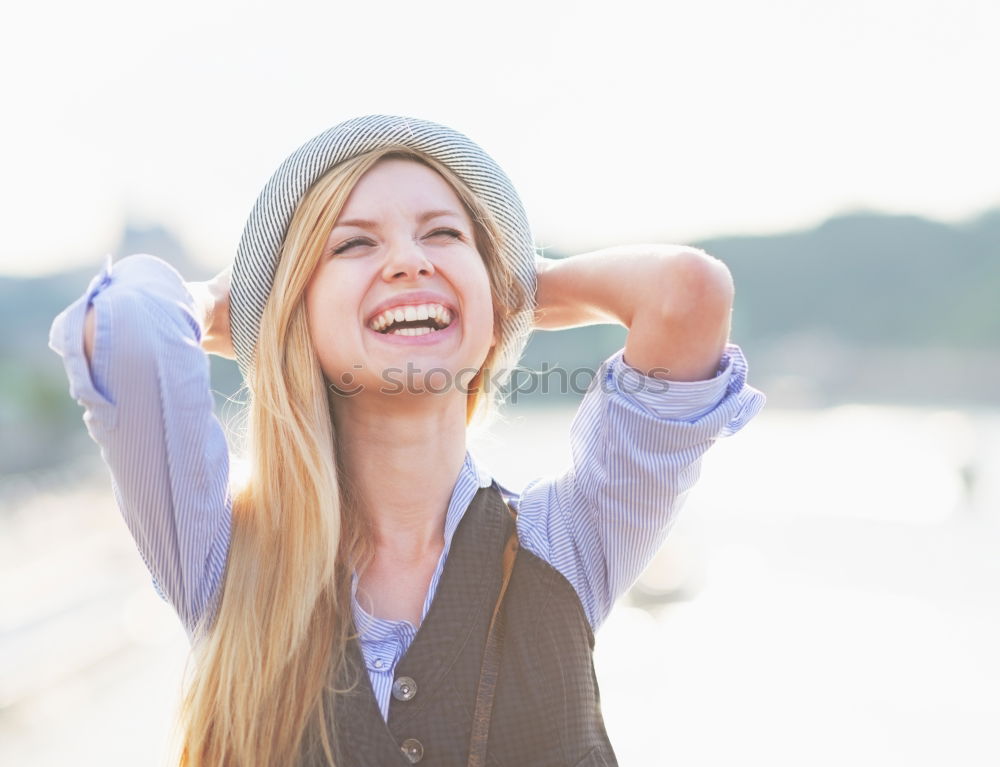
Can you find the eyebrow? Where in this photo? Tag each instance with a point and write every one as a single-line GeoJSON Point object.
{"type": "Point", "coordinates": [425, 216]}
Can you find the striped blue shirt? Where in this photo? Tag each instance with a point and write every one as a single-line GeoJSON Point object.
{"type": "Point", "coordinates": [636, 445]}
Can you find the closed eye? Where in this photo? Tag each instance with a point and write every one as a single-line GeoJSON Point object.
{"type": "Point", "coordinates": [350, 244]}
{"type": "Point", "coordinates": [449, 232]}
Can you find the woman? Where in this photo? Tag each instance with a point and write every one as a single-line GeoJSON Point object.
{"type": "Point", "coordinates": [369, 595]}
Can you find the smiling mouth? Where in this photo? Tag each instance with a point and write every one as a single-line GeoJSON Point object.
{"type": "Point", "coordinates": [416, 320]}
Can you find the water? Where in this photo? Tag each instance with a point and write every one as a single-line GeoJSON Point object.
{"type": "Point", "coordinates": [828, 595]}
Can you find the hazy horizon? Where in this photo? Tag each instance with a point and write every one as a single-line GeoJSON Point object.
{"type": "Point", "coordinates": [96, 257]}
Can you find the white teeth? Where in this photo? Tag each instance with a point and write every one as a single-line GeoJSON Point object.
{"type": "Point", "coordinates": [411, 313]}
{"type": "Point", "coordinates": [410, 332]}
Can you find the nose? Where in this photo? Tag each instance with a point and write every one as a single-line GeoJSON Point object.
{"type": "Point", "coordinates": [406, 260]}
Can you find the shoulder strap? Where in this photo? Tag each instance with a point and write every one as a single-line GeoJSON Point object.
{"type": "Point", "coordinates": [491, 660]}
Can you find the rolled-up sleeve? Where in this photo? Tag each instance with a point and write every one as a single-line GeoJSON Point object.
{"type": "Point", "coordinates": [148, 405]}
{"type": "Point", "coordinates": [637, 444]}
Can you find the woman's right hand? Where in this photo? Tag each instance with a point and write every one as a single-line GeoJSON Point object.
{"type": "Point", "coordinates": [211, 305]}
{"type": "Point", "coordinates": [211, 301]}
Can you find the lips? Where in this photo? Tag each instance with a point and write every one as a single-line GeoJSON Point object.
{"type": "Point", "coordinates": [416, 335]}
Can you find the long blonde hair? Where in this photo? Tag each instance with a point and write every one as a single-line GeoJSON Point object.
{"type": "Point", "coordinates": [265, 660]}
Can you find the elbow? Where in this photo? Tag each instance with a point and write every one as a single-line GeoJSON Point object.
{"type": "Point", "coordinates": [694, 286]}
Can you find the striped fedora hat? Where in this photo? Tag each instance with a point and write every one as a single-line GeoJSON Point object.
{"type": "Point", "coordinates": [257, 256]}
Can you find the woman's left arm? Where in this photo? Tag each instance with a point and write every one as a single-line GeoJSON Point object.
{"type": "Point", "coordinates": [649, 415]}
{"type": "Point", "coordinates": [676, 302]}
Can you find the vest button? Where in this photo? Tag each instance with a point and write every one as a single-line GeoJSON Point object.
{"type": "Point", "coordinates": [413, 750]}
{"type": "Point", "coordinates": [404, 688]}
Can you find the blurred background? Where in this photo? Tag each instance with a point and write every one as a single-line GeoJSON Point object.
{"type": "Point", "coordinates": [829, 593]}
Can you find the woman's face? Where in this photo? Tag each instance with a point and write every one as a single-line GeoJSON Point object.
{"type": "Point", "coordinates": [400, 299]}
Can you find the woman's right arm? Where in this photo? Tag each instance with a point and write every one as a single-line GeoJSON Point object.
{"type": "Point", "coordinates": [131, 346]}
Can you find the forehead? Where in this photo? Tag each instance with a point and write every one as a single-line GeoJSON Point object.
{"type": "Point", "coordinates": [396, 185]}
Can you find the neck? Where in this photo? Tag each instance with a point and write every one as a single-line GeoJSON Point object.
{"type": "Point", "coordinates": [403, 459]}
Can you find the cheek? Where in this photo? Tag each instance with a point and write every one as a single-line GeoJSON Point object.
{"type": "Point", "coordinates": [328, 318]}
{"type": "Point", "coordinates": [316, 318]}
{"type": "Point", "coordinates": [332, 294]}
{"type": "Point", "coordinates": [485, 319]}
{"type": "Point", "coordinates": [485, 300]}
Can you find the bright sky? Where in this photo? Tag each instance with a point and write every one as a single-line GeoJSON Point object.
{"type": "Point", "coordinates": [617, 122]}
